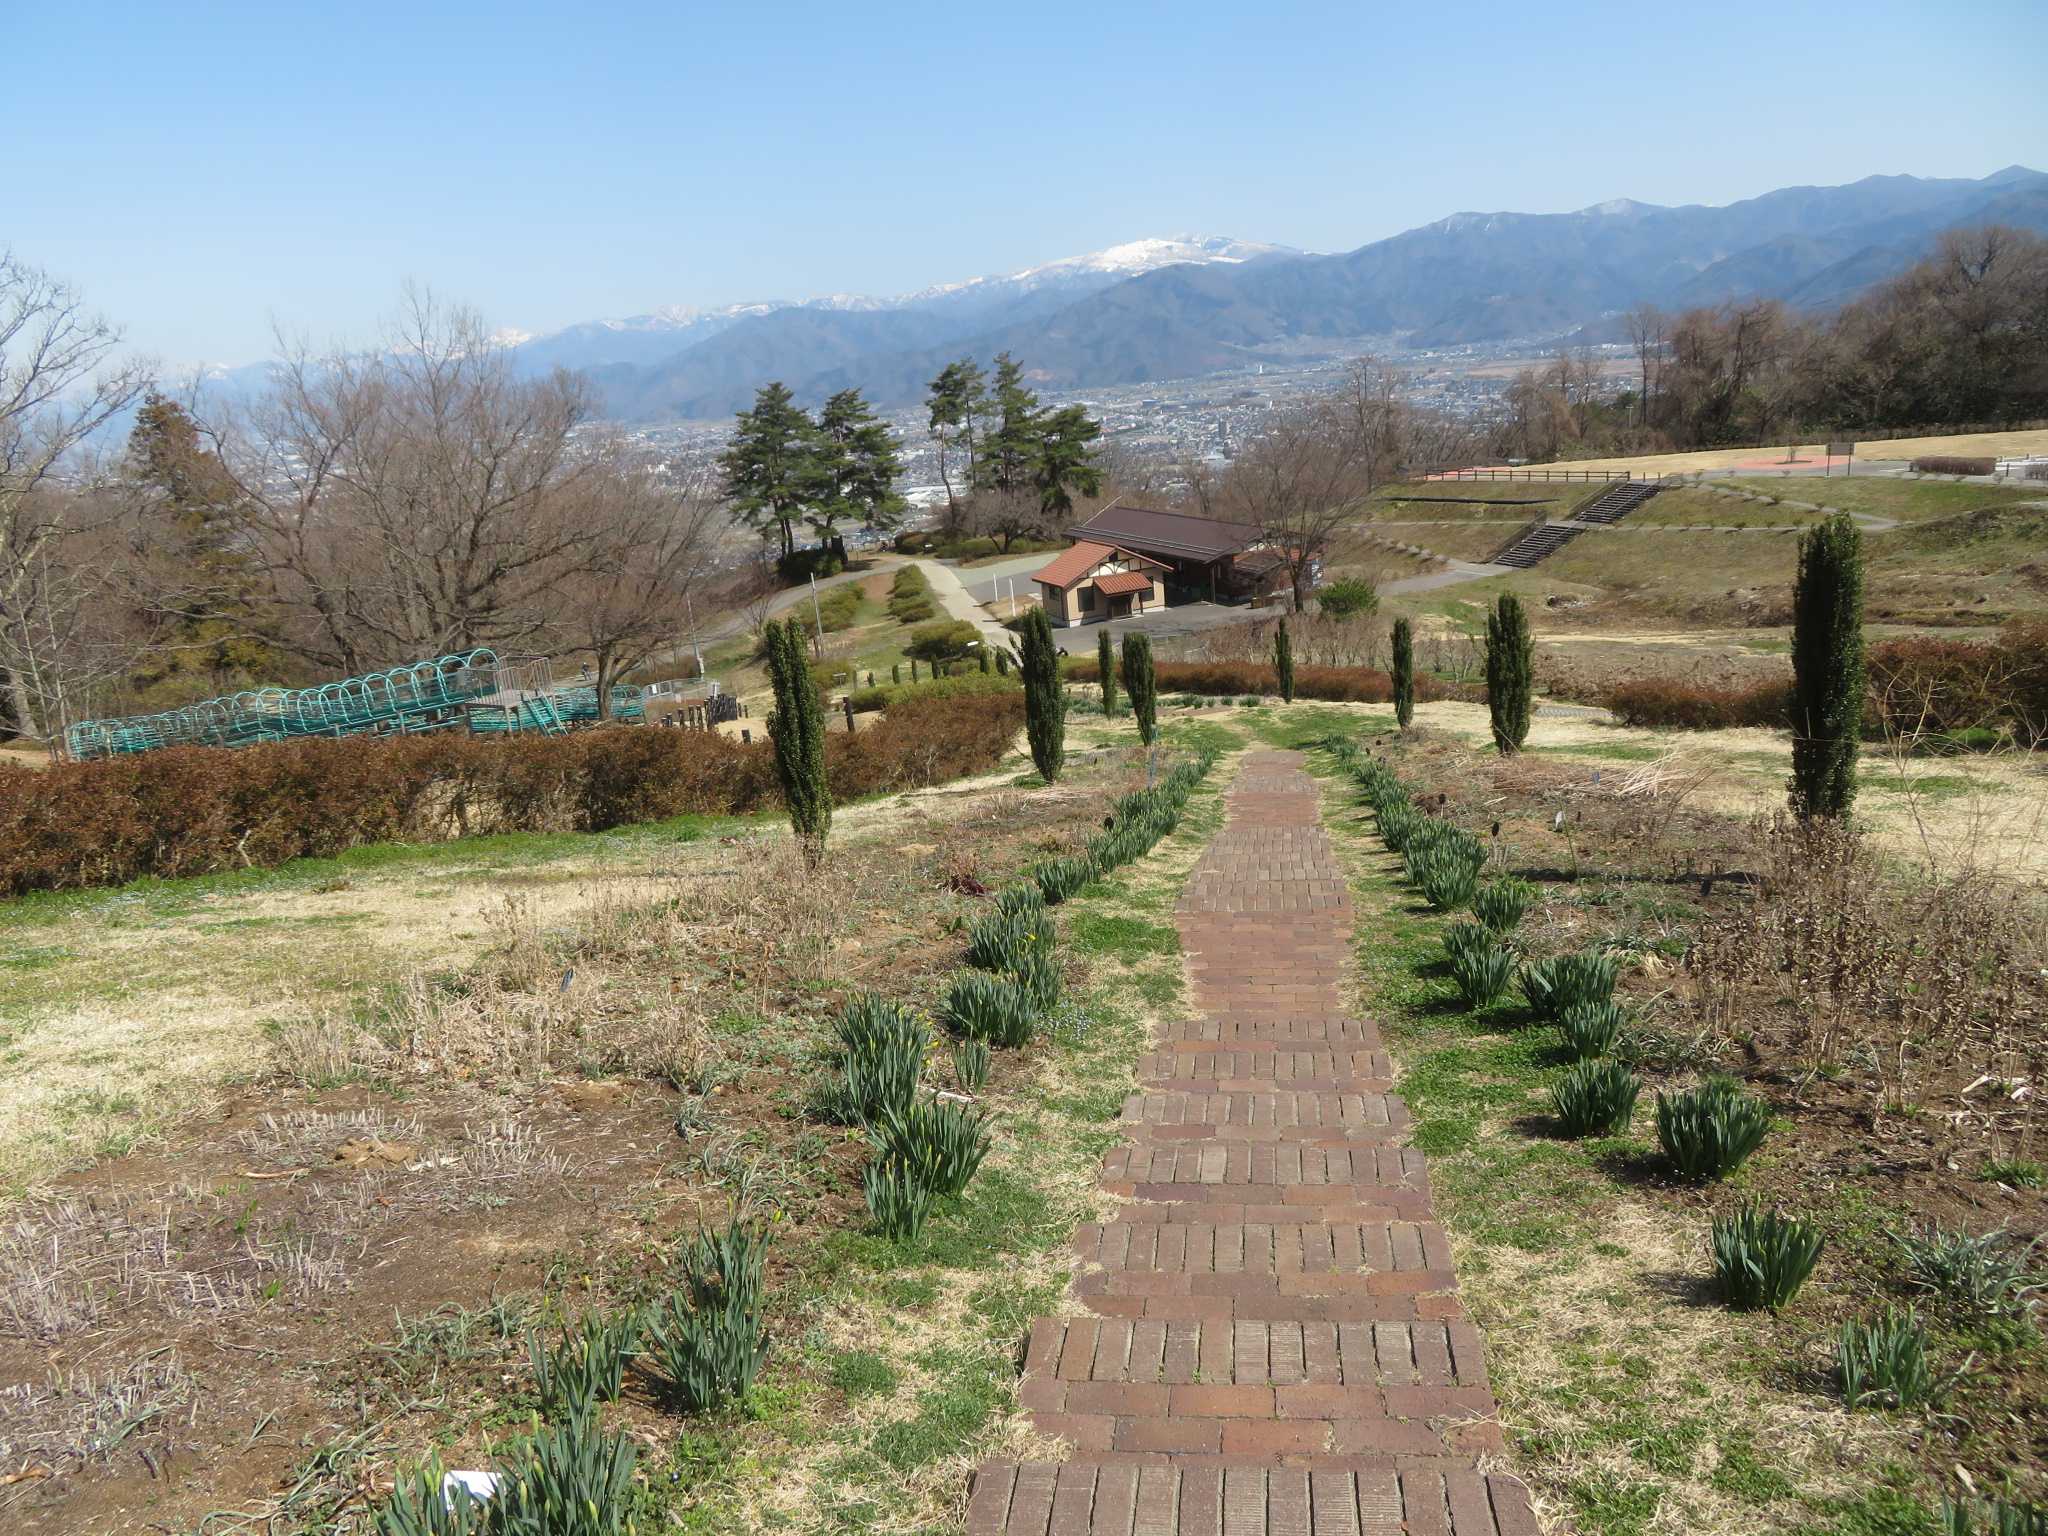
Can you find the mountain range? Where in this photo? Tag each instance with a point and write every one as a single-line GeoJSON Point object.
{"type": "Point", "coordinates": [1190, 305]}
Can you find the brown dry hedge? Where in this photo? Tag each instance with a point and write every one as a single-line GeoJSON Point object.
{"type": "Point", "coordinates": [196, 810]}
{"type": "Point", "coordinates": [1230, 679]}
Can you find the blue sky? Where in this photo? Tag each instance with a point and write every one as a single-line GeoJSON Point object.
{"type": "Point", "coordinates": [203, 171]}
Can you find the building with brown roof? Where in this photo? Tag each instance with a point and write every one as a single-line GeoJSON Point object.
{"type": "Point", "coordinates": [1191, 559]}
{"type": "Point", "coordinates": [1099, 581]}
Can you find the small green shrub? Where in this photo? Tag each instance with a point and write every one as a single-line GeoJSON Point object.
{"type": "Point", "coordinates": [897, 1203]}
{"type": "Point", "coordinates": [1761, 1258]}
{"type": "Point", "coordinates": [1482, 975]}
{"type": "Point", "coordinates": [1590, 1030]}
{"type": "Point", "coordinates": [941, 1143]}
{"type": "Point", "coordinates": [1596, 1098]}
{"type": "Point", "coordinates": [1989, 1275]}
{"type": "Point", "coordinates": [1445, 878]}
{"type": "Point", "coordinates": [588, 1365]}
{"type": "Point", "coordinates": [1000, 941]}
{"type": "Point", "coordinates": [1885, 1361]}
{"type": "Point", "coordinates": [1501, 904]}
{"type": "Point", "coordinates": [708, 1338]}
{"type": "Point", "coordinates": [970, 1065]}
{"type": "Point", "coordinates": [993, 1009]}
{"type": "Point", "coordinates": [1710, 1131]}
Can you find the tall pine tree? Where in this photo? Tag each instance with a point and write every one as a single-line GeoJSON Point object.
{"type": "Point", "coordinates": [1009, 447]}
{"type": "Point", "coordinates": [771, 467]}
{"type": "Point", "coordinates": [1404, 673]}
{"type": "Point", "coordinates": [1510, 673]}
{"type": "Point", "coordinates": [1283, 662]}
{"type": "Point", "coordinates": [1140, 686]}
{"type": "Point", "coordinates": [955, 403]}
{"type": "Point", "coordinates": [1827, 668]}
{"type": "Point", "coordinates": [797, 728]}
{"type": "Point", "coordinates": [859, 460]}
{"type": "Point", "coordinates": [1105, 667]}
{"type": "Point", "coordinates": [1063, 459]}
{"type": "Point", "coordinates": [1045, 707]}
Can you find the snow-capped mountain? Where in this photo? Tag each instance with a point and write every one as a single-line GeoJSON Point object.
{"type": "Point", "coordinates": [672, 329]}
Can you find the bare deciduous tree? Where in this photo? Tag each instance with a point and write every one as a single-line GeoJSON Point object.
{"type": "Point", "coordinates": [59, 384]}
{"type": "Point", "coordinates": [653, 544]}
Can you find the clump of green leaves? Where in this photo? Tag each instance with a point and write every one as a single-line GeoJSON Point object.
{"type": "Point", "coordinates": [708, 1338]}
{"type": "Point", "coordinates": [993, 1009]}
{"type": "Point", "coordinates": [1885, 1361]}
{"type": "Point", "coordinates": [882, 1048]}
{"type": "Point", "coordinates": [940, 1143]}
{"type": "Point", "coordinates": [1991, 1517]}
{"type": "Point", "coordinates": [1482, 975]}
{"type": "Point", "coordinates": [1059, 879]}
{"type": "Point", "coordinates": [1710, 1131]}
{"type": "Point", "coordinates": [970, 1064]}
{"type": "Point", "coordinates": [1986, 1275]}
{"type": "Point", "coordinates": [1501, 904]}
{"type": "Point", "coordinates": [897, 1202]}
{"type": "Point", "coordinates": [1590, 1029]}
{"type": "Point", "coordinates": [1469, 938]}
{"type": "Point", "coordinates": [566, 1479]}
{"type": "Point", "coordinates": [587, 1366]}
{"type": "Point", "coordinates": [1596, 1098]}
{"type": "Point", "coordinates": [1761, 1258]}
{"type": "Point", "coordinates": [999, 940]}
{"type": "Point", "coordinates": [1569, 981]}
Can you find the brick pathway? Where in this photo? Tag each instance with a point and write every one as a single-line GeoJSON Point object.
{"type": "Point", "coordinates": [1273, 1343]}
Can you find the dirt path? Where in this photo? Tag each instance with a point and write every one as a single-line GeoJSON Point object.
{"type": "Point", "coordinates": [1271, 1338]}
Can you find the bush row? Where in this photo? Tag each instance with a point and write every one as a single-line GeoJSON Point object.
{"type": "Point", "coordinates": [889, 696]}
{"type": "Point", "coordinates": [910, 597]}
{"type": "Point", "coordinates": [1918, 684]}
{"type": "Point", "coordinates": [195, 810]}
{"type": "Point", "coordinates": [1942, 464]}
{"type": "Point", "coordinates": [1230, 679]}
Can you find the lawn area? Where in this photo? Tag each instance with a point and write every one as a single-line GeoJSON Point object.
{"type": "Point", "coordinates": [1904, 500]}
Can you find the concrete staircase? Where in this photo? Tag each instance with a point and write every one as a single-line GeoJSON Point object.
{"type": "Point", "coordinates": [1617, 501]}
{"type": "Point", "coordinates": [1538, 543]}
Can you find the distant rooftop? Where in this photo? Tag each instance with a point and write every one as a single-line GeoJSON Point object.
{"type": "Point", "coordinates": [1158, 530]}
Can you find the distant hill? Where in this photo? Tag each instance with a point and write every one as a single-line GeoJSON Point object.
{"type": "Point", "coordinates": [1184, 307]}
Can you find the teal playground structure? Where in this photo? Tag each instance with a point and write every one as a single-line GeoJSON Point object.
{"type": "Point", "coordinates": [474, 691]}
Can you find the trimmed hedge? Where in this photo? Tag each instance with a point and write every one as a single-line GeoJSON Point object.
{"type": "Point", "coordinates": [961, 685]}
{"type": "Point", "coordinates": [196, 810]}
{"type": "Point", "coordinates": [1235, 679]}
{"type": "Point", "coordinates": [1690, 707]}
{"type": "Point", "coordinates": [1937, 464]}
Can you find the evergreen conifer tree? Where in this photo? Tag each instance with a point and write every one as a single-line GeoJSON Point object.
{"type": "Point", "coordinates": [1827, 668]}
{"type": "Point", "coordinates": [1404, 673]}
{"type": "Point", "coordinates": [1283, 662]}
{"type": "Point", "coordinates": [1510, 673]}
{"type": "Point", "coordinates": [1045, 707]}
{"type": "Point", "coordinates": [1139, 685]}
{"type": "Point", "coordinates": [1105, 666]}
{"type": "Point", "coordinates": [797, 728]}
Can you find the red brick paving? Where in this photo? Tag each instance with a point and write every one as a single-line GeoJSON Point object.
{"type": "Point", "coordinates": [1272, 1342]}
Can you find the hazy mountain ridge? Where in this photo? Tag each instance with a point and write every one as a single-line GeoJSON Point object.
{"type": "Point", "coordinates": [1470, 277]}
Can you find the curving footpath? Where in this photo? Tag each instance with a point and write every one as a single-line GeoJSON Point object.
{"type": "Point", "coordinates": [1272, 1342]}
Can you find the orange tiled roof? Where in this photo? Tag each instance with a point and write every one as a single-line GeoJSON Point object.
{"type": "Point", "coordinates": [1070, 565]}
{"type": "Point", "coordinates": [1116, 583]}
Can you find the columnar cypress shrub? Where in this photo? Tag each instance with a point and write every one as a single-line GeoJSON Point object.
{"type": "Point", "coordinates": [1404, 673]}
{"type": "Point", "coordinates": [1827, 668]}
{"type": "Point", "coordinates": [1283, 662]}
{"type": "Point", "coordinates": [1510, 673]}
{"type": "Point", "coordinates": [797, 729]}
{"type": "Point", "coordinates": [1105, 670]}
{"type": "Point", "coordinates": [1140, 685]}
{"type": "Point", "coordinates": [1045, 707]}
